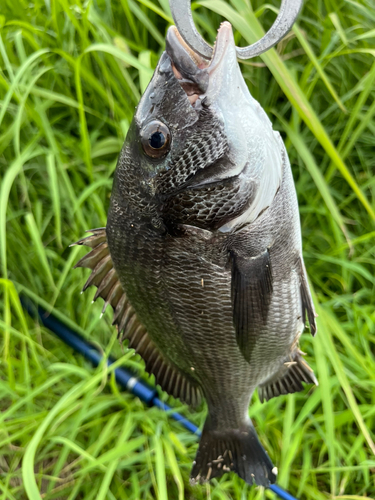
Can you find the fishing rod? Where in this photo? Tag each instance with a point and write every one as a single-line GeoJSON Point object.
{"type": "Point", "coordinates": [124, 377]}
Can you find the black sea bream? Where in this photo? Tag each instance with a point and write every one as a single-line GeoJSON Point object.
{"type": "Point", "coordinates": [201, 258]}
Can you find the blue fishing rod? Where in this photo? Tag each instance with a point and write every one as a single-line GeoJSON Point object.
{"type": "Point", "coordinates": [124, 377]}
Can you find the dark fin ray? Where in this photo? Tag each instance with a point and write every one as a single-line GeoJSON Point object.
{"type": "Point", "coordinates": [126, 324]}
{"type": "Point", "coordinates": [94, 239]}
{"type": "Point", "coordinates": [92, 258]}
{"type": "Point", "coordinates": [105, 278]}
{"type": "Point", "coordinates": [251, 295]}
{"type": "Point", "coordinates": [119, 310]}
{"type": "Point", "coordinates": [99, 272]}
{"type": "Point", "coordinates": [288, 379]}
{"type": "Point", "coordinates": [307, 302]}
{"type": "Point", "coordinates": [106, 285]}
{"type": "Point", "coordinates": [237, 450]}
{"type": "Point", "coordinates": [114, 296]}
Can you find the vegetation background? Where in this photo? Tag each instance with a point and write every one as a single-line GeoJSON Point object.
{"type": "Point", "coordinates": [71, 74]}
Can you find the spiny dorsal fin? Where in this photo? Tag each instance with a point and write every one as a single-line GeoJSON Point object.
{"type": "Point", "coordinates": [288, 379]}
{"type": "Point", "coordinates": [105, 278]}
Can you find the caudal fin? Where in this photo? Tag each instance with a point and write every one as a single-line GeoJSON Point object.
{"type": "Point", "coordinates": [237, 450]}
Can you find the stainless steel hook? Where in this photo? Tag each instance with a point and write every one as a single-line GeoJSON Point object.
{"type": "Point", "coordinates": [182, 16]}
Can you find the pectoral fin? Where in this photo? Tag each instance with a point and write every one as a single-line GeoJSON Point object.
{"type": "Point", "coordinates": [307, 302]}
{"type": "Point", "coordinates": [251, 295]}
{"type": "Point", "coordinates": [288, 379]}
{"type": "Point", "coordinates": [105, 278]}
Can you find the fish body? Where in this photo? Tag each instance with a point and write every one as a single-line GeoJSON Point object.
{"type": "Point", "coordinates": [201, 258]}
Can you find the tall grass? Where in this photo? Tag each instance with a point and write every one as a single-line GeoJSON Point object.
{"type": "Point", "coordinates": [71, 74]}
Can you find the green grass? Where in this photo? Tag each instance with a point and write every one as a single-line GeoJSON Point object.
{"type": "Point", "coordinates": [71, 75]}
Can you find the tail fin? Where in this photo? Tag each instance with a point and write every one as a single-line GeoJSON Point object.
{"type": "Point", "coordinates": [237, 450]}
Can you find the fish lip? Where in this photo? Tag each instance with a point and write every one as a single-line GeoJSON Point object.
{"type": "Point", "coordinates": [224, 41]}
{"type": "Point", "coordinates": [189, 68]}
{"type": "Point", "coordinates": [177, 47]}
{"type": "Point", "coordinates": [192, 70]}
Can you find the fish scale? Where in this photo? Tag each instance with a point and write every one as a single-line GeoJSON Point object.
{"type": "Point", "coordinates": [144, 288]}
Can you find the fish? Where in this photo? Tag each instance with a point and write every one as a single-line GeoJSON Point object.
{"type": "Point", "coordinates": [201, 258]}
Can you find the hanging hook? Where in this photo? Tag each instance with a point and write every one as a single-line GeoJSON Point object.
{"type": "Point", "coordinates": [182, 16]}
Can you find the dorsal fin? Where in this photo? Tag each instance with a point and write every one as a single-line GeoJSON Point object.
{"type": "Point", "coordinates": [109, 288]}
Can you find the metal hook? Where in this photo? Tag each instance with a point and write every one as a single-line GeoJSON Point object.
{"type": "Point", "coordinates": [182, 16]}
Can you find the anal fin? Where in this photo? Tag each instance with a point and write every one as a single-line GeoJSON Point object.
{"type": "Point", "coordinates": [288, 379]}
{"type": "Point", "coordinates": [109, 288]}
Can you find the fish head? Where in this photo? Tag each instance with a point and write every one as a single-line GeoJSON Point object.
{"type": "Point", "coordinates": [197, 126]}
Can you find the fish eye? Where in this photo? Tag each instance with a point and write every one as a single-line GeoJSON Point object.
{"type": "Point", "coordinates": [155, 139]}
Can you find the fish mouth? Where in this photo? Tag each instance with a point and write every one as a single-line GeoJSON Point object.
{"type": "Point", "coordinates": [194, 72]}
